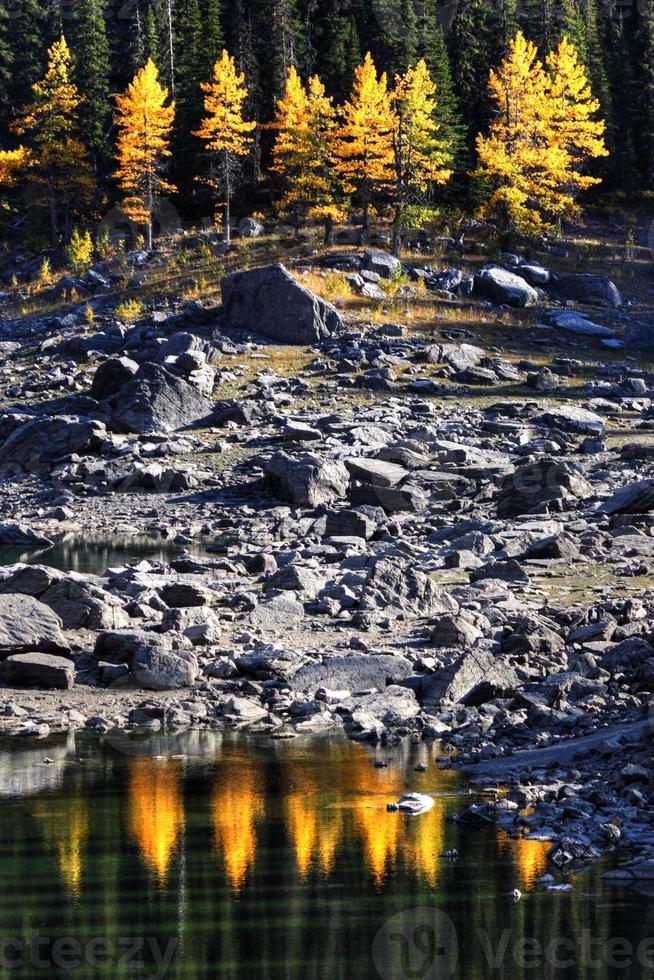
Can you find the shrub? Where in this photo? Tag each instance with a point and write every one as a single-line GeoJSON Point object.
{"type": "Point", "coordinates": [79, 250]}
{"type": "Point", "coordinates": [129, 309]}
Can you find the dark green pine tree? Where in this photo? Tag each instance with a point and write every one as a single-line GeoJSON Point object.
{"type": "Point", "coordinates": [286, 42]}
{"type": "Point", "coordinates": [27, 23]}
{"type": "Point", "coordinates": [6, 65]}
{"type": "Point", "coordinates": [565, 21]}
{"type": "Point", "coordinates": [408, 45]}
{"type": "Point", "coordinates": [471, 46]}
{"type": "Point", "coordinates": [90, 48]}
{"type": "Point", "coordinates": [447, 113]}
{"type": "Point", "coordinates": [504, 26]}
{"type": "Point", "coordinates": [645, 49]}
{"type": "Point", "coordinates": [354, 56]}
{"type": "Point", "coordinates": [212, 40]}
{"type": "Point", "coordinates": [329, 30]}
{"type": "Point", "coordinates": [621, 61]}
{"type": "Point", "coordinates": [151, 35]}
{"type": "Point", "coordinates": [188, 96]}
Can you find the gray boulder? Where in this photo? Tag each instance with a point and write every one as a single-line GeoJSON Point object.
{"type": "Point", "coordinates": [249, 228]}
{"type": "Point", "coordinates": [28, 625]}
{"type": "Point", "coordinates": [41, 442]}
{"type": "Point", "coordinates": [538, 487]}
{"type": "Point", "coordinates": [83, 605]}
{"type": "Point", "coordinates": [635, 498]}
{"type": "Point", "coordinates": [306, 480]}
{"type": "Point", "coordinates": [155, 400]}
{"type": "Point", "coordinates": [502, 286]}
{"type": "Point", "coordinates": [354, 672]}
{"type": "Point", "coordinates": [37, 670]}
{"type": "Point", "coordinates": [384, 264]}
{"type": "Point", "coordinates": [158, 668]}
{"type": "Point", "coordinates": [15, 535]}
{"type": "Point", "coordinates": [111, 376]}
{"type": "Point", "coordinates": [571, 418]}
{"type": "Point", "coordinates": [588, 288]}
{"type": "Point", "coordinates": [392, 707]}
{"type": "Point", "coordinates": [395, 588]}
{"type": "Point", "coordinates": [282, 610]}
{"type": "Point", "coordinates": [467, 674]}
{"type": "Point", "coordinates": [270, 302]}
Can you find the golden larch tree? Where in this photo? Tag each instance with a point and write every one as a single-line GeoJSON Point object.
{"type": "Point", "coordinates": [573, 124]}
{"type": "Point", "coordinates": [227, 135]}
{"type": "Point", "coordinates": [541, 138]}
{"type": "Point", "coordinates": [514, 157]}
{"type": "Point", "coordinates": [363, 142]}
{"type": "Point", "coordinates": [144, 119]}
{"type": "Point", "coordinates": [305, 119]}
{"type": "Point", "coordinates": [57, 165]}
{"type": "Point", "coordinates": [12, 163]}
{"type": "Point", "coordinates": [420, 158]}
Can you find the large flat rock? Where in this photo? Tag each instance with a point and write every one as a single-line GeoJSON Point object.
{"type": "Point", "coordinates": [37, 670]}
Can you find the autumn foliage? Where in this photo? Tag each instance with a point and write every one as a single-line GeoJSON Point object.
{"type": "Point", "coordinates": [543, 135]}
{"type": "Point", "coordinates": [227, 135]}
{"type": "Point", "coordinates": [144, 119]}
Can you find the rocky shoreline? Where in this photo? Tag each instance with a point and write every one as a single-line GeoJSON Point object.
{"type": "Point", "coordinates": [406, 537]}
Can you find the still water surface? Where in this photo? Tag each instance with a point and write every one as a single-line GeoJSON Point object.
{"type": "Point", "coordinates": [209, 856]}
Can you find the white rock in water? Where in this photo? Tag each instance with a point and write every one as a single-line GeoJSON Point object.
{"type": "Point", "coordinates": [415, 803]}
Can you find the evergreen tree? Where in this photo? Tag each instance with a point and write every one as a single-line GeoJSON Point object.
{"type": "Point", "coordinates": [211, 38]}
{"type": "Point", "coordinates": [6, 72]}
{"type": "Point", "coordinates": [645, 48]}
{"type": "Point", "coordinates": [151, 45]}
{"type": "Point", "coordinates": [286, 42]}
{"type": "Point", "coordinates": [446, 112]}
{"type": "Point", "coordinates": [471, 46]}
{"type": "Point", "coordinates": [92, 75]}
{"type": "Point", "coordinates": [27, 26]}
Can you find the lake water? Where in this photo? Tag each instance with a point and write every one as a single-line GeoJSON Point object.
{"type": "Point", "coordinates": [94, 554]}
{"type": "Point", "coordinates": [209, 856]}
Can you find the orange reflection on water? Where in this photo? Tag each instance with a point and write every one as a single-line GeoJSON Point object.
{"type": "Point", "coordinates": [317, 827]}
{"type": "Point", "coordinates": [65, 829]}
{"type": "Point", "coordinates": [529, 857]}
{"type": "Point", "coordinates": [236, 807]}
{"type": "Point", "coordinates": [156, 812]}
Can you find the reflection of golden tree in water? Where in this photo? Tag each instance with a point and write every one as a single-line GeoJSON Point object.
{"type": "Point", "coordinates": [236, 807]}
{"type": "Point", "coordinates": [529, 856]}
{"type": "Point", "coordinates": [317, 827]}
{"type": "Point", "coordinates": [156, 812]}
{"type": "Point", "coordinates": [65, 829]}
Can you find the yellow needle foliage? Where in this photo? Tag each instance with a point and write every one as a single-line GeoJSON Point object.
{"type": "Point", "coordinates": [571, 108]}
{"type": "Point", "coordinates": [304, 120]}
{"type": "Point", "coordinates": [541, 137]}
{"type": "Point", "coordinates": [363, 142]}
{"type": "Point", "coordinates": [56, 160]}
{"type": "Point", "coordinates": [144, 123]}
{"type": "Point", "coordinates": [227, 135]}
{"type": "Point", "coordinates": [420, 157]}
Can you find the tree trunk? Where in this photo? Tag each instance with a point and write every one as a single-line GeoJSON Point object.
{"type": "Point", "coordinates": [228, 197]}
{"type": "Point", "coordinates": [366, 207]}
{"type": "Point", "coordinates": [397, 230]}
{"type": "Point", "coordinates": [149, 226]}
{"type": "Point", "coordinates": [329, 230]}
